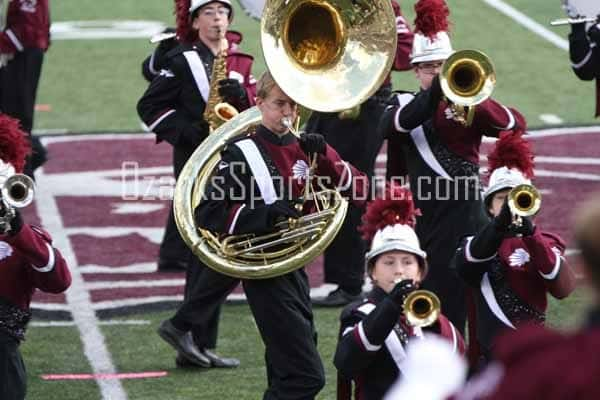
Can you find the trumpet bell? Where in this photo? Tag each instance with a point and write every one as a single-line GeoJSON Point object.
{"type": "Point", "coordinates": [524, 200]}
{"type": "Point", "coordinates": [467, 77]}
{"type": "Point", "coordinates": [329, 55]}
{"type": "Point", "coordinates": [422, 308]}
{"type": "Point", "coordinates": [18, 190]}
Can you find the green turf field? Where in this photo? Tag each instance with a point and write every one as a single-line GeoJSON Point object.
{"type": "Point", "coordinates": [93, 85]}
{"type": "Point", "coordinates": [138, 348]}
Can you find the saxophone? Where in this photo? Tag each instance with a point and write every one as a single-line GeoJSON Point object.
{"type": "Point", "coordinates": [216, 111]}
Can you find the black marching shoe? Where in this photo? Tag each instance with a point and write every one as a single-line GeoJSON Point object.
{"type": "Point", "coordinates": [215, 360]}
{"type": "Point", "coordinates": [183, 343]}
{"type": "Point", "coordinates": [337, 298]}
{"type": "Point", "coordinates": [165, 265]}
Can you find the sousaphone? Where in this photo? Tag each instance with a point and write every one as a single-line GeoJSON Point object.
{"type": "Point", "coordinates": [327, 56]}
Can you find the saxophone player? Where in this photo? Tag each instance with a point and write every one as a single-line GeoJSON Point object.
{"type": "Point", "coordinates": [173, 108]}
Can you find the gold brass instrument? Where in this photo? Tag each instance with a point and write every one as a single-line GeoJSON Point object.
{"type": "Point", "coordinates": [216, 110]}
{"type": "Point", "coordinates": [467, 78]}
{"type": "Point", "coordinates": [295, 244]}
{"type": "Point", "coordinates": [329, 55]}
{"type": "Point", "coordinates": [335, 54]}
{"type": "Point", "coordinates": [524, 201]}
{"type": "Point", "coordinates": [422, 308]}
{"type": "Point", "coordinates": [16, 192]}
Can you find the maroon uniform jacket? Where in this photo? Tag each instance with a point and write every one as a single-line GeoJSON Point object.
{"type": "Point", "coordinates": [536, 363]}
{"type": "Point", "coordinates": [373, 334]}
{"type": "Point", "coordinates": [404, 43]}
{"type": "Point", "coordinates": [258, 170]}
{"type": "Point", "coordinates": [27, 262]}
{"type": "Point", "coordinates": [511, 285]}
{"type": "Point", "coordinates": [176, 98]}
{"type": "Point", "coordinates": [27, 26]}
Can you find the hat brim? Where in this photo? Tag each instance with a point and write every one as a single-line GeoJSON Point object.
{"type": "Point", "coordinates": [395, 245]}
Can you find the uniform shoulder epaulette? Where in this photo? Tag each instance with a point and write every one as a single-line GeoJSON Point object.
{"type": "Point", "coordinates": [238, 53]}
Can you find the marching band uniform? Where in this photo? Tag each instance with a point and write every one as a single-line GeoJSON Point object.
{"type": "Point", "coordinates": [511, 271]}
{"type": "Point", "coordinates": [584, 52]}
{"type": "Point", "coordinates": [172, 107]}
{"type": "Point", "coordinates": [23, 43]}
{"type": "Point", "coordinates": [250, 176]}
{"type": "Point", "coordinates": [28, 262]}
{"type": "Point", "coordinates": [534, 362]}
{"type": "Point", "coordinates": [442, 156]}
{"type": "Point", "coordinates": [374, 332]}
{"type": "Point", "coordinates": [356, 140]}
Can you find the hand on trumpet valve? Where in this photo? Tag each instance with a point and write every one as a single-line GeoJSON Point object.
{"type": "Point", "coordinates": [504, 219]}
{"type": "Point", "coordinates": [10, 221]}
{"type": "Point", "coordinates": [523, 226]}
{"type": "Point", "coordinates": [403, 288]}
{"type": "Point", "coordinates": [312, 143]}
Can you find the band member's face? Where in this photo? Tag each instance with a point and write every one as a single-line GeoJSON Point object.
{"type": "Point", "coordinates": [276, 106]}
{"type": "Point", "coordinates": [498, 201]}
{"type": "Point", "coordinates": [211, 22]}
{"type": "Point", "coordinates": [392, 267]}
{"type": "Point", "coordinates": [426, 71]}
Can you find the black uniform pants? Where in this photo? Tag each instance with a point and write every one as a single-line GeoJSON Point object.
{"type": "Point", "coordinates": [18, 89]}
{"type": "Point", "coordinates": [172, 247]}
{"type": "Point", "coordinates": [13, 378]}
{"type": "Point", "coordinates": [283, 313]}
{"type": "Point", "coordinates": [205, 292]}
{"type": "Point", "coordinates": [357, 141]}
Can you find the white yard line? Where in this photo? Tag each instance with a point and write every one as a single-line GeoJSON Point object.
{"type": "Point", "coordinates": [528, 23]}
{"type": "Point", "coordinates": [78, 297]}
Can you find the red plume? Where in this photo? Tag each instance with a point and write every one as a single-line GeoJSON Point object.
{"type": "Point", "coordinates": [185, 33]}
{"type": "Point", "coordinates": [14, 146]}
{"type": "Point", "coordinates": [432, 17]}
{"type": "Point", "coordinates": [395, 207]}
{"type": "Point", "coordinates": [512, 151]}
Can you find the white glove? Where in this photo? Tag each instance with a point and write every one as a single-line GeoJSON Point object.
{"type": "Point", "coordinates": [5, 58]}
{"type": "Point", "coordinates": [570, 9]}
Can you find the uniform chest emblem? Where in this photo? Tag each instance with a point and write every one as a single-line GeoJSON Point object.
{"type": "Point", "coordinates": [300, 169]}
{"type": "Point", "coordinates": [519, 258]}
{"type": "Point", "coordinates": [5, 250]}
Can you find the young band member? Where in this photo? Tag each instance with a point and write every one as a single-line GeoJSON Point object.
{"type": "Point", "coordinates": [173, 107]}
{"type": "Point", "coordinates": [442, 155]}
{"type": "Point", "coordinates": [512, 266]}
{"type": "Point", "coordinates": [537, 363]}
{"type": "Point", "coordinates": [584, 50]}
{"type": "Point", "coordinates": [240, 200]}
{"type": "Point", "coordinates": [27, 262]}
{"type": "Point", "coordinates": [374, 332]}
{"type": "Point", "coordinates": [355, 139]}
{"type": "Point", "coordinates": [24, 39]}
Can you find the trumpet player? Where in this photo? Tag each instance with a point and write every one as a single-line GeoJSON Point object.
{"type": "Point", "coordinates": [173, 107]}
{"type": "Point", "coordinates": [584, 49]}
{"type": "Point", "coordinates": [375, 331]}
{"type": "Point", "coordinates": [28, 261]}
{"type": "Point", "coordinates": [510, 263]}
{"type": "Point", "coordinates": [442, 155]}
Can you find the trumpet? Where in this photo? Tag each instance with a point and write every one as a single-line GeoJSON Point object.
{"type": "Point", "coordinates": [422, 308]}
{"type": "Point", "coordinates": [567, 21]}
{"type": "Point", "coordinates": [524, 201]}
{"type": "Point", "coordinates": [16, 192]}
